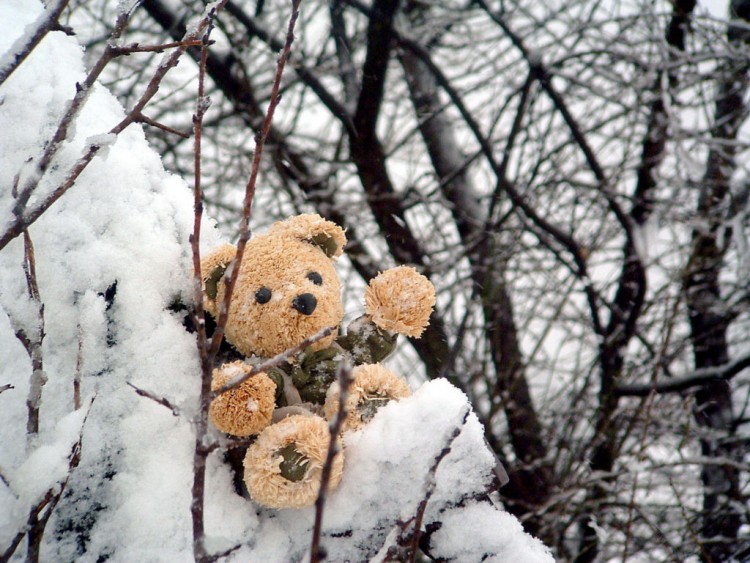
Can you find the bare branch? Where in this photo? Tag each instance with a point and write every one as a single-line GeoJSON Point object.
{"type": "Point", "coordinates": [6, 387]}
{"type": "Point", "coordinates": [200, 451]}
{"type": "Point", "coordinates": [374, 69]}
{"type": "Point", "coordinates": [697, 378]}
{"type": "Point", "coordinates": [161, 400]}
{"type": "Point", "coordinates": [148, 121]}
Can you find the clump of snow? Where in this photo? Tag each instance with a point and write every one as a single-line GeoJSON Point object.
{"type": "Point", "coordinates": [112, 255]}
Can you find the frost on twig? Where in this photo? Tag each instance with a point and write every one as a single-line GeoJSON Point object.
{"type": "Point", "coordinates": [32, 339]}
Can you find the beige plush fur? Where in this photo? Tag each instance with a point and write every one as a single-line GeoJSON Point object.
{"type": "Point", "coordinates": [310, 437]}
{"type": "Point", "coordinates": [287, 290]}
{"type": "Point", "coordinates": [400, 300]}
{"type": "Point", "coordinates": [247, 409]}
{"type": "Point", "coordinates": [372, 382]}
{"type": "Point", "coordinates": [219, 258]}
{"type": "Point", "coordinates": [280, 261]}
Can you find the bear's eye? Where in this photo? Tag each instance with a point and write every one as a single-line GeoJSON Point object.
{"type": "Point", "coordinates": [263, 295]}
{"type": "Point", "coordinates": [315, 277]}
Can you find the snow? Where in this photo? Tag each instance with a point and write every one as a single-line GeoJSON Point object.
{"type": "Point", "coordinates": [112, 255]}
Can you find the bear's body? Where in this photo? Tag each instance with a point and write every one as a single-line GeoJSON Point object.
{"type": "Point", "coordinates": [287, 290]}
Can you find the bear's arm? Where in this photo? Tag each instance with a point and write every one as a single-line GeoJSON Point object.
{"type": "Point", "coordinates": [367, 343]}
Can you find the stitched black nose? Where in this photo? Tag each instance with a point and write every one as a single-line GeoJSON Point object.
{"type": "Point", "coordinates": [305, 303]}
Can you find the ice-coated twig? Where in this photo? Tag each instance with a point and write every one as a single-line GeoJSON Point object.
{"type": "Point", "coordinates": [161, 400]}
{"type": "Point", "coordinates": [45, 23]}
{"type": "Point", "coordinates": [32, 341]}
{"type": "Point", "coordinates": [317, 553]}
{"type": "Point", "coordinates": [407, 542]}
{"type": "Point", "coordinates": [276, 360]}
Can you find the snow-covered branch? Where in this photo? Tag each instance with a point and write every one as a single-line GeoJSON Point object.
{"type": "Point", "coordinates": [46, 22]}
{"type": "Point", "coordinates": [696, 378]}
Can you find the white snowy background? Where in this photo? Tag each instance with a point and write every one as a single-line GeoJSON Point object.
{"type": "Point", "coordinates": [127, 222]}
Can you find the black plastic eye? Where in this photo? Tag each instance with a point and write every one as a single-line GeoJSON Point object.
{"type": "Point", "coordinates": [263, 295]}
{"type": "Point", "coordinates": [315, 277]}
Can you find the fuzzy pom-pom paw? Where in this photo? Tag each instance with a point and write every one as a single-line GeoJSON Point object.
{"type": "Point", "coordinates": [283, 467]}
{"type": "Point", "coordinates": [372, 387]}
{"type": "Point", "coordinates": [246, 409]}
{"type": "Point", "coordinates": [400, 300]}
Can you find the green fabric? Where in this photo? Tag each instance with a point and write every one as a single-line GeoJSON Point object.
{"type": "Point", "coordinates": [315, 371]}
{"type": "Point", "coordinates": [366, 342]}
{"type": "Point", "coordinates": [277, 376]}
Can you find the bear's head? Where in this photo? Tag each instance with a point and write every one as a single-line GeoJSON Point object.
{"type": "Point", "coordinates": [287, 289]}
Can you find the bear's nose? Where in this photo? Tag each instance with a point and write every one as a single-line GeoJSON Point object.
{"type": "Point", "coordinates": [305, 303]}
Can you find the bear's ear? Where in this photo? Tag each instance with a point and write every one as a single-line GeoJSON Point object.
{"type": "Point", "coordinates": [213, 267]}
{"type": "Point", "coordinates": [312, 228]}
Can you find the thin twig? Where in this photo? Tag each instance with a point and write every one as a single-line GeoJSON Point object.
{"type": "Point", "coordinates": [208, 351]}
{"type": "Point", "coordinates": [317, 553]}
{"type": "Point", "coordinates": [5, 481]}
{"type": "Point", "coordinates": [6, 387]}
{"type": "Point", "coordinates": [153, 123]}
{"type": "Point", "coordinates": [125, 50]}
{"type": "Point", "coordinates": [234, 267]}
{"type": "Point", "coordinates": [275, 361]}
{"type": "Point", "coordinates": [161, 400]}
{"type": "Point", "coordinates": [77, 374]}
{"type": "Point", "coordinates": [201, 450]}
{"type": "Point", "coordinates": [34, 343]}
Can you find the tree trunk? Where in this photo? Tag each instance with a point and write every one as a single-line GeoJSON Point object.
{"type": "Point", "coordinates": [709, 322]}
{"type": "Point", "coordinates": [631, 290]}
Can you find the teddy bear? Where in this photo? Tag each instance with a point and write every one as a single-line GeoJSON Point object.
{"type": "Point", "coordinates": [287, 290]}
